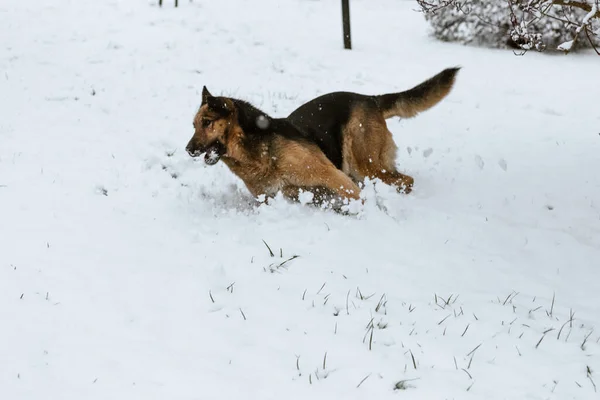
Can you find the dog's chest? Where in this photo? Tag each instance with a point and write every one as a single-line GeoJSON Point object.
{"type": "Point", "coordinates": [257, 173]}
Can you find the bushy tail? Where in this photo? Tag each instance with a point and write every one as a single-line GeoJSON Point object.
{"type": "Point", "coordinates": [422, 97]}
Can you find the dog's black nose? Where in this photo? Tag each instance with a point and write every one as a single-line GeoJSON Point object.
{"type": "Point", "coordinates": [192, 150]}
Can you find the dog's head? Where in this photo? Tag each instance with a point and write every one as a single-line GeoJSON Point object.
{"type": "Point", "coordinates": [212, 124]}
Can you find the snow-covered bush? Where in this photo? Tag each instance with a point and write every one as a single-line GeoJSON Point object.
{"type": "Point", "coordinates": [525, 24]}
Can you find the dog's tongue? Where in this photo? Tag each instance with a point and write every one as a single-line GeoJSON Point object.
{"type": "Point", "coordinates": [213, 154]}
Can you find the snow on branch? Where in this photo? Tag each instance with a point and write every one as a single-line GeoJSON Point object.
{"type": "Point", "coordinates": [524, 24]}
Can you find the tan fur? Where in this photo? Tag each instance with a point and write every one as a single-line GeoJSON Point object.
{"type": "Point", "coordinates": [215, 131]}
{"type": "Point", "coordinates": [413, 103]}
{"type": "Point", "coordinates": [372, 155]}
{"type": "Point", "coordinates": [366, 145]}
{"type": "Point", "coordinates": [284, 163]}
{"type": "Point", "coordinates": [279, 164]}
{"type": "Point", "coordinates": [409, 108]}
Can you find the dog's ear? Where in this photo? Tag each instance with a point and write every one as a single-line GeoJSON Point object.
{"type": "Point", "coordinates": [205, 95]}
{"type": "Point", "coordinates": [218, 105]}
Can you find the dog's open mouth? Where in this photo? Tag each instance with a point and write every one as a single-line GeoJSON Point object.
{"type": "Point", "coordinates": [214, 153]}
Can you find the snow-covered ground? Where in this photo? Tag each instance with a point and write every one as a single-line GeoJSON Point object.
{"type": "Point", "coordinates": [130, 271]}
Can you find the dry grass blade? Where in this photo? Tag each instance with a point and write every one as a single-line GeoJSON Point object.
{"type": "Point", "coordinates": [474, 350]}
{"type": "Point", "coordinates": [470, 361]}
{"type": "Point", "coordinates": [510, 297]}
{"type": "Point", "coordinates": [364, 379]}
{"type": "Point", "coordinates": [552, 305]}
{"type": "Point", "coordinates": [325, 283]}
{"type": "Point", "coordinates": [467, 372]}
{"type": "Point", "coordinates": [589, 375]}
{"type": "Point", "coordinates": [586, 339]}
{"type": "Point", "coordinates": [286, 261]}
{"type": "Point", "coordinates": [465, 331]}
{"type": "Point", "coordinates": [413, 359]}
{"type": "Point", "coordinates": [540, 341]}
{"type": "Point", "coordinates": [359, 294]}
{"type": "Point", "coordinates": [347, 297]}
{"type": "Point", "coordinates": [534, 310]}
{"type": "Point", "coordinates": [270, 251]}
{"type": "Point", "coordinates": [381, 303]}
{"type": "Point", "coordinates": [569, 321]}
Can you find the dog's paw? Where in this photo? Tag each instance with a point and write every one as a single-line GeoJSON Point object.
{"type": "Point", "coordinates": [405, 184]}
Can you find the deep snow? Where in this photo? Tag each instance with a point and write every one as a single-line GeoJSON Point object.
{"type": "Point", "coordinates": [128, 270]}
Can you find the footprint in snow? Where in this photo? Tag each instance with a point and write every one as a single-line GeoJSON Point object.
{"type": "Point", "coordinates": [550, 111]}
{"type": "Point", "coordinates": [427, 152]}
{"type": "Point", "coordinates": [479, 161]}
{"type": "Point", "coordinates": [502, 164]}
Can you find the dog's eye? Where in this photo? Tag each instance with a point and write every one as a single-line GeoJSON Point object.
{"type": "Point", "coordinates": [206, 122]}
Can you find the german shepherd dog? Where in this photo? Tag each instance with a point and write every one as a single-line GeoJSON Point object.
{"type": "Point", "coordinates": [327, 146]}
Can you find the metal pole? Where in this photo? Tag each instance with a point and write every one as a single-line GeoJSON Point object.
{"type": "Point", "coordinates": [346, 23]}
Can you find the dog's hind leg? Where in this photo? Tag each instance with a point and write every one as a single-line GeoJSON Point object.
{"type": "Point", "coordinates": [372, 152]}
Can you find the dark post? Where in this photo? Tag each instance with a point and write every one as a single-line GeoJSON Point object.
{"type": "Point", "coordinates": [346, 23]}
{"type": "Point", "coordinates": [176, 3]}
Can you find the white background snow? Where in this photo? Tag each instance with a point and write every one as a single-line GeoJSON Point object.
{"type": "Point", "coordinates": [130, 271]}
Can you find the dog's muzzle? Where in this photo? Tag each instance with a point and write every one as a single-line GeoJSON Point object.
{"type": "Point", "coordinates": [212, 153]}
{"type": "Point", "coordinates": [194, 152]}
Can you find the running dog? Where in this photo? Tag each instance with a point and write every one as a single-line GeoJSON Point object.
{"type": "Point", "coordinates": [326, 146]}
